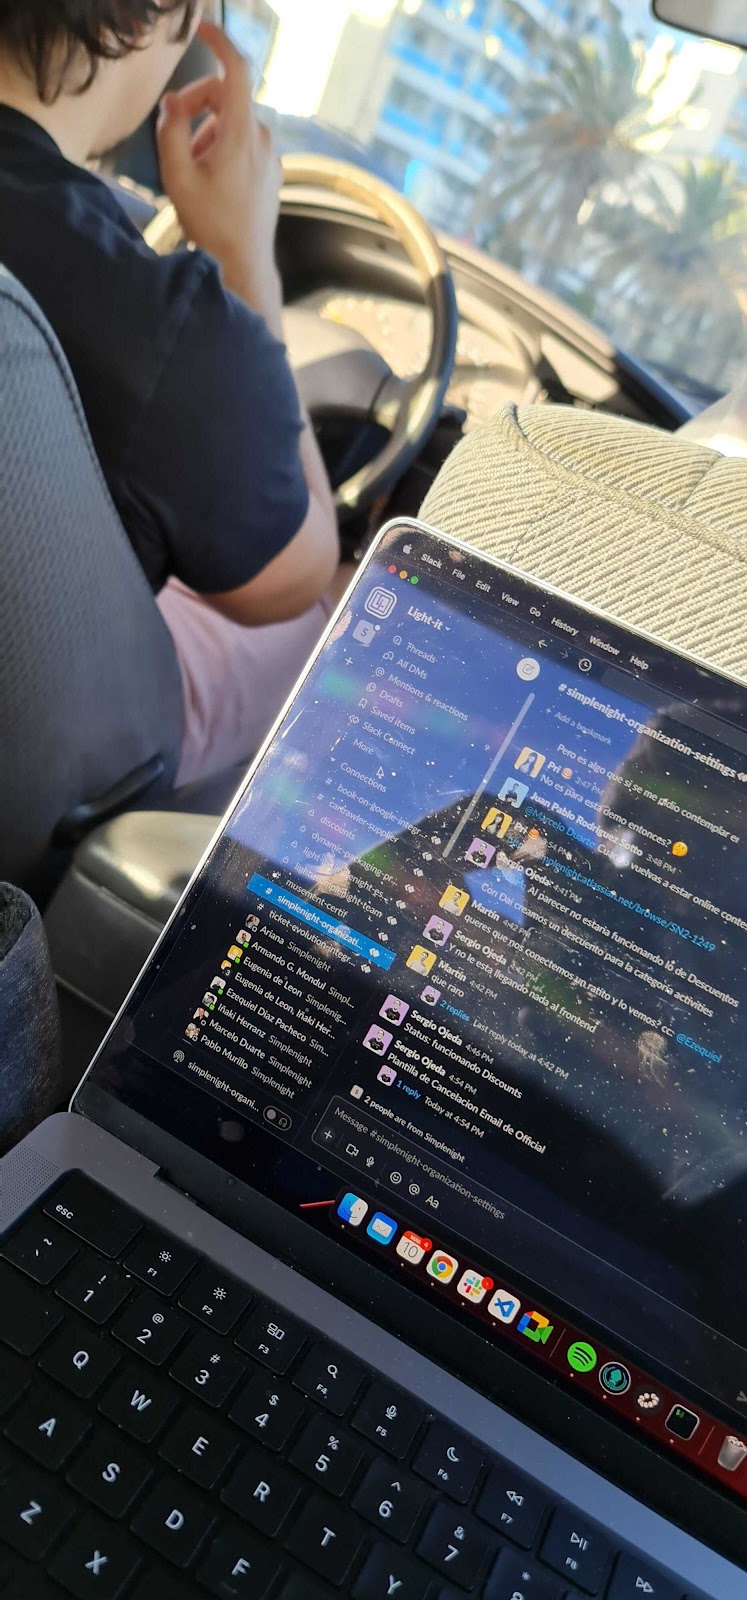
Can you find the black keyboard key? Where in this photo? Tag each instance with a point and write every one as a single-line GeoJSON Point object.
{"type": "Point", "coordinates": [199, 1446]}
{"type": "Point", "coordinates": [40, 1250]}
{"type": "Point", "coordinates": [388, 1573]}
{"type": "Point", "coordinates": [389, 1419]}
{"type": "Point", "coordinates": [634, 1579]}
{"type": "Point", "coordinates": [174, 1521]}
{"type": "Point", "coordinates": [160, 1260]}
{"type": "Point", "coordinates": [157, 1583]}
{"type": "Point", "coordinates": [262, 1492]}
{"type": "Point", "coordinates": [151, 1329]}
{"type": "Point", "coordinates": [515, 1578]}
{"type": "Point", "coordinates": [96, 1559]}
{"type": "Point", "coordinates": [327, 1455]}
{"type": "Point", "coordinates": [15, 1377]}
{"type": "Point", "coordinates": [455, 1545]}
{"type": "Point", "coordinates": [300, 1587]}
{"type": "Point", "coordinates": [111, 1473]}
{"type": "Point", "coordinates": [94, 1215]}
{"type": "Point", "coordinates": [27, 1315]}
{"type": "Point", "coordinates": [330, 1377]}
{"type": "Point", "coordinates": [34, 1511]}
{"type": "Point", "coordinates": [79, 1359]}
{"type": "Point", "coordinates": [327, 1538]}
{"type": "Point", "coordinates": [272, 1338]}
{"type": "Point", "coordinates": [577, 1551]}
{"type": "Point", "coordinates": [448, 1460]}
{"type": "Point", "coordinates": [238, 1564]}
{"type": "Point", "coordinates": [390, 1499]}
{"type": "Point", "coordinates": [268, 1410]}
{"type": "Point", "coordinates": [47, 1425]}
{"type": "Point", "coordinates": [139, 1402]}
{"type": "Point", "coordinates": [513, 1505]}
{"type": "Point", "coordinates": [94, 1287]}
{"type": "Point", "coordinates": [209, 1368]}
{"type": "Point", "coordinates": [216, 1298]}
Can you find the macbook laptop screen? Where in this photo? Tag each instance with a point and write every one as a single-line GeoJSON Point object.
{"type": "Point", "coordinates": [461, 983]}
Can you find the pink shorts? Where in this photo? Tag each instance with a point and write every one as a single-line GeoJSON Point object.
{"type": "Point", "coordinates": [235, 679]}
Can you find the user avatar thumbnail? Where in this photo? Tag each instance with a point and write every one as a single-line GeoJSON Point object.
{"type": "Point", "coordinates": [387, 1076]}
{"type": "Point", "coordinates": [497, 823]}
{"type": "Point", "coordinates": [192, 1031]}
{"type": "Point", "coordinates": [226, 966]}
{"type": "Point", "coordinates": [209, 999]}
{"type": "Point", "coordinates": [244, 938]}
{"type": "Point", "coordinates": [378, 1040]}
{"type": "Point", "coordinates": [437, 930]}
{"type": "Point", "coordinates": [430, 996]}
{"type": "Point", "coordinates": [394, 1010]}
{"type": "Point", "coordinates": [513, 792]}
{"type": "Point", "coordinates": [480, 853]}
{"type": "Point", "coordinates": [235, 953]}
{"type": "Point", "coordinates": [218, 984]}
{"type": "Point", "coordinates": [530, 762]}
{"type": "Point", "coordinates": [200, 1015]}
{"type": "Point", "coordinates": [454, 900]}
{"type": "Point", "coordinates": [421, 960]}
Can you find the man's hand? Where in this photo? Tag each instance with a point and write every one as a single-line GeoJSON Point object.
{"type": "Point", "coordinates": [224, 178]}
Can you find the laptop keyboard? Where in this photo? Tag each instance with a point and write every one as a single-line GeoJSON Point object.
{"type": "Point", "coordinates": [167, 1434]}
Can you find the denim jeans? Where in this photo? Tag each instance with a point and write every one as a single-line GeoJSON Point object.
{"type": "Point", "coordinates": [30, 1041]}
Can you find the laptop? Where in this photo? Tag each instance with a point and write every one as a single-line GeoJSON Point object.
{"type": "Point", "coordinates": [394, 1243]}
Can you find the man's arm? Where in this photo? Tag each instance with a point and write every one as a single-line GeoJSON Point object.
{"type": "Point", "coordinates": [224, 181]}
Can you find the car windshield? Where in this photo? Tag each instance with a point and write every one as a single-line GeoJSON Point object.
{"type": "Point", "coordinates": [599, 153]}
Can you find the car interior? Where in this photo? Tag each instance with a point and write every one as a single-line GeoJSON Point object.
{"type": "Point", "coordinates": [436, 376]}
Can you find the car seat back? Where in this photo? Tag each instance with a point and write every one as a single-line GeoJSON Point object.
{"type": "Point", "coordinates": [90, 693]}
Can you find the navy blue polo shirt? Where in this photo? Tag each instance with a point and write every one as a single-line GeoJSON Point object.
{"type": "Point", "coordinates": [189, 398]}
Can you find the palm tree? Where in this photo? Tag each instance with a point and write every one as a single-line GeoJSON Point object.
{"type": "Point", "coordinates": [582, 127]}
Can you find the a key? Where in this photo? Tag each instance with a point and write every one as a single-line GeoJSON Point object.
{"type": "Point", "coordinates": [40, 1250]}
{"type": "Point", "coordinates": [27, 1315]}
{"type": "Point", "coordinates": [47, 1426]}
{"type": "Point", "coordinates": [173, 1520]}
{"type": "Point", "coordinates": [514, 1577]}
{"type": "Point", "coordinates": [199, 1446]}
{"type": "Point", "coordinates": [390, 1499]}
{"type": "Point", "coordinates": [209, 1368]}
{"type": "Point", "coordinates": [15, 1376]}
{"type": "Point", "coordinates": [327, 1455]}
{"type": "Point", "coordinates": [160, 1261]}
{"type": "Point", "coordinates": [150, 1328]}
{"type": "Point", "coordinates": [96, 1559]}
{"type": "Point", "coordinates": [79, 1359]}
{"type": "Point", "coordinates": [272, 1338]}
{"type": "Point", "coordinates": [448, 1461]}
{"type": "Point", "coordinates": [389, 1419]}
{"type": "Point", "coordinates": [215, 1298]}
{"type": "Point", "coordinates": [238, 1564]}
{"type": "Point", "coordinates": [262, 1492]}
{"type": "Point", "coordinates": [513, 1505]}
{"type": "Point", "coordinates": [139, 1402]}
{"type": "Point", "coordinates": [455, 1545]}
{"type": "Point", "coordinates": [34, 1511]}
{"type": "Point", "coordinates": [634, 1579]}
{"type": "Point", "coordinates": [577, 1551]}
{"type": "Point", "coordinates": [388, 1575]}
{"type": "Point", "coordinates": [327, 1539]}
{"type": "Point", "coordinates": [330, 1377]}
{"type": "Point", "coordinates": [269, 1410]}
{"type": "Point", "coordinates": [94, 1287]}
{"type": "Point", "coordinates": [94, 1215]}
{"type": "Point", "coordinates": [110, 1473]}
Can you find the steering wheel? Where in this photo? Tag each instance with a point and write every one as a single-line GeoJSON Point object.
{"type": "Point", "coordinates": [338, 371]}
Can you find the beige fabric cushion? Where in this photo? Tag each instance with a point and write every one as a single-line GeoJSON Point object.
{"type": "Point", "coordinates": [648, 527]}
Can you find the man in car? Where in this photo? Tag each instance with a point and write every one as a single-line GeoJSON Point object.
{"type": "Point", "coordinates": [179, 361]}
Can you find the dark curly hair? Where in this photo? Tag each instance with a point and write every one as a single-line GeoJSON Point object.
{"type": "Point", "coordinates": [50, 35]}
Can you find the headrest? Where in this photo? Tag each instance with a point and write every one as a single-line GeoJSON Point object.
{"type": "Point", "coordinates": [644, 525]}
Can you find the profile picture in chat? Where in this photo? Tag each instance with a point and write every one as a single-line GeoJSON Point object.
{"type": "Point", "coordinates": [209, 999]}
{"type": "Point", "coordinates": [192, 1031]}
{"type": "Point", "coordinates": [480, 853]}
{"type": "Point", "coordinates": [513, 793]}
{"type": "Point", "coordinates": [437, 930]}
{"type": "Point", "coordinates": [530, 762]}
{"type": "Point", "coordinates": [430, 996]}
{"type": "Point", "coordinates": [454, 900]}
{"type": "Point", "coordinates": [387, 1076]}
{"type": "Point", "coordinates": [244, 938]}
{"type": "Point", "coordinates": [497, 823]}
{"type": "Point", "coordinates": [421, 960]}
{"type": "Point", "coordinates": [226, 966]}
{"type": "Point", "coordinates": [378, 1040]}
{"type": "Point", "coordinates": [394, 1010]}
{"type": "Point", "coordinates": [200, 1015]}
{"type": "Point", "coordinates": [218, 984]}
{"type": "Point", "coordinates": [235, 953]}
